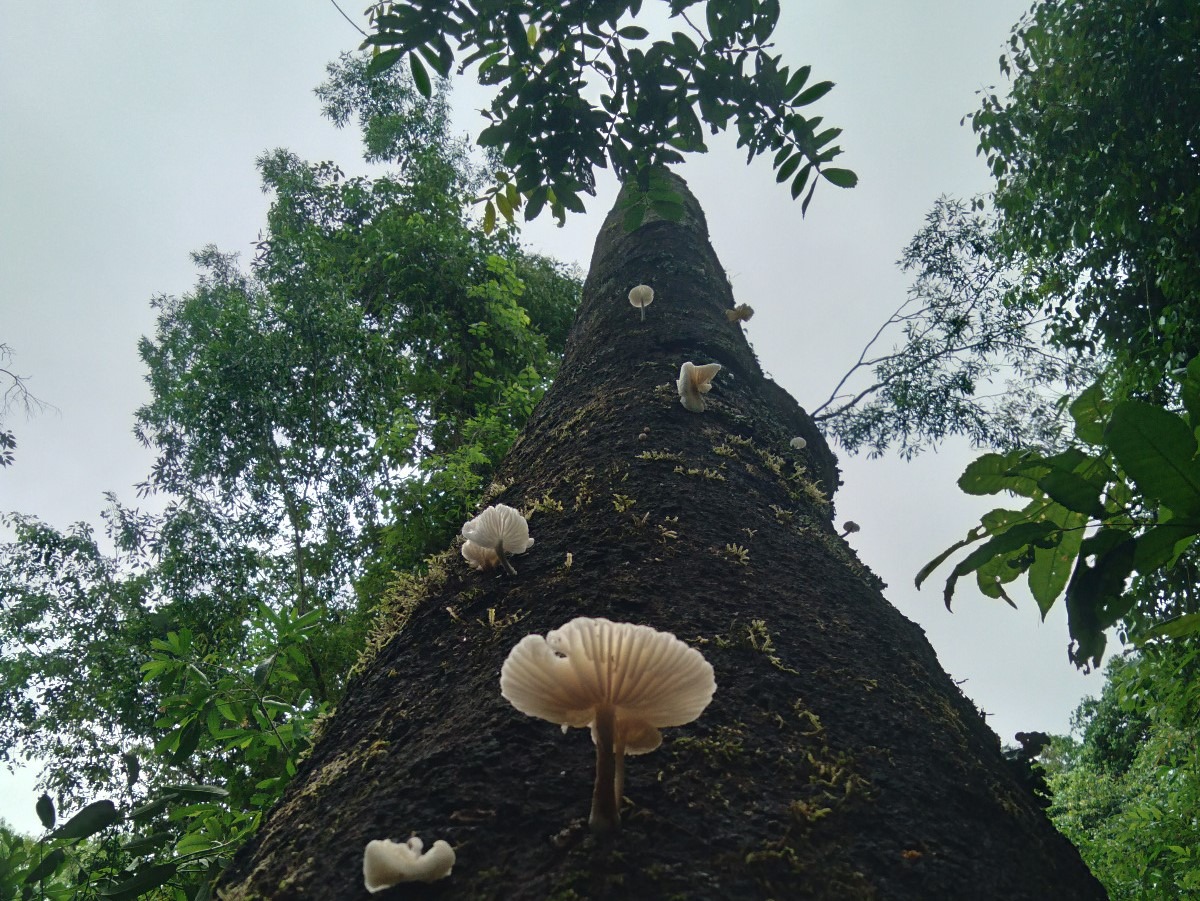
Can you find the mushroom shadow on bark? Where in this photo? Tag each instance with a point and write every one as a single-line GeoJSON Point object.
{"type": "Point", "coordinates": [837, 760]}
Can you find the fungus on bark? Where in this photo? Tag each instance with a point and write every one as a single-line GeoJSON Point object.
{"type": "Point", "coordinates": [387, 863]}
{"type": "Point", "coordinates": [798, 443]}
{"type": "Point", "coordinates": [624, 682]}
{"type": "Point", "coordinates": [741, 313]}
{"type": "Point", "coordinates": [492, 535]}
{"type": "Point", "coordinates": [641, 296]}
{"type": "Point", "coordinates": [695, 382]}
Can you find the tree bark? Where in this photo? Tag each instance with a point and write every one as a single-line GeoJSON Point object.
{"type": "Point", "coordinates": [836, 761]}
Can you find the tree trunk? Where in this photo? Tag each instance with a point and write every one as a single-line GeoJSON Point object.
{"type": "Point", "coordinates": [837, 760]}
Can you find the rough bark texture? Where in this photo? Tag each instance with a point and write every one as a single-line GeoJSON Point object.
{"type": "Point", "coordinates": [836, 761]}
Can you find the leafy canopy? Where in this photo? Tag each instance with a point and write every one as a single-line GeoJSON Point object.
{"type": "Point", "coordinates": [579, 87]}
{"type": "Point", "coordinates": [1097, 195]}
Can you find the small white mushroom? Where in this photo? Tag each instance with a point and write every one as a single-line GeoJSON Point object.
{"type": "Point", "coordinates": [386, 863]}
{"type": "Point", "coordinates": [695, 382]}
{"type": "Point", "coordinates": [479, 557]}
{"type": "Point", "coordinates": [641, 296]}
{"type": "Point", "coordinates": [497, 531]}
{"type": "Point", "coordinates": [798, 443]}
{"type": "Point", "coordinates": [622, 681]}
{"type": "Point", "coordinates": [741, 313]}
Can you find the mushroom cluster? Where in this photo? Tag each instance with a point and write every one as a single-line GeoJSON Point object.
{"type": "Point", "coordinates": [624, 682]}
{"type": "Point", "coordinates": [387, 863]}
{"type": "Point", "coordinates": [694, 382]}
{"type": "Point", "coordinates": [491, 536]}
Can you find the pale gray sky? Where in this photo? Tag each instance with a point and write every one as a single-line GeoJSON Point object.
{"type": "Point", "coordinates": [128, 135]}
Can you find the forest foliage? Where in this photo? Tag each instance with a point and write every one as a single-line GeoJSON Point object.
{"type": "Point", "coordinates": [322, 421]}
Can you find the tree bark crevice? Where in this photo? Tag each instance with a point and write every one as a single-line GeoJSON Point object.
{"type": "Point", "coordinates": [837, 760]}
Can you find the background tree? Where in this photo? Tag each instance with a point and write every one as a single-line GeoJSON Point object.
{"type": "Point", "coordinates": [1127, 789]}
{"type": "Point", "coordinates": [16, 396]}
{"type": "Point", "coordinates": [577, 90]}
{"type": "Point", "coordinates": [836, 759]}
{"type": "Point", "coordinates": [1093, 244]}
{"type": "Point", "coordinates": [322, 421]}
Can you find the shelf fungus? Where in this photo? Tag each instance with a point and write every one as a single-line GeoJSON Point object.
{"type": "Point", "coordinates": [494, 534]}
{"type": "Point", "coordinates": [624, 682]}
{"type": "Point", "coordinates": [387, 863]}
{"type": "Point", "coordinates": [641, 296]}
{"type": "Point", "coordinates": [695, 382]}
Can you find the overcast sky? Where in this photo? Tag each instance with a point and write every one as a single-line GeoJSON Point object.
{"type": "Point", "coordinates": [128, 135]}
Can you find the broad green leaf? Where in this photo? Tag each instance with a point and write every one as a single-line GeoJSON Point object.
{"type": "Point", "coordinates": [1072, 491]}
{"type": "Point", "coordinates": [383, 61]}
{"type": "Point", "coordinates": [633, 32]}
{"type": "Point", "coordinates": [1162, 544]}
{"type": "Point", "coordinates": [420, 76]}
{"type": "Point", "coordinates": [150, 809]}
{"type": "Point", "coordinates": [843, 178]}
{"type": "Point", "coordinates": [789, 166]}
{"type": "Point", "coordinates": [813, 94]}
{"type": "Point", "coordinates": [1179, 627]}
{"type": "Point", "coordinates": [142, 844]}
{"type": "Point", "coordinates": [1051, 569]}
{"type": "Point", "coordinates": [1090, 411]}
{"type": "Point", "coordinates": [141, 882]}
{"type": "Point", "coordinates": [489, 218]}
{"type": "Point", "coordinates": [93, 818]}
{"type": "Point", "coordinates": [993, 473]}
{"type": "Point", "coordinates": [1157, 451]}
{"type": "Point", "coordinates": [46, 867]}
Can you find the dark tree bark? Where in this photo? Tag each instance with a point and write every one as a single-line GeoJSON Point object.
{"type": "Point", "coordinates": [837, 760]}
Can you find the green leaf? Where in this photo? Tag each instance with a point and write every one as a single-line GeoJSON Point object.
{"type": "Point", "coordinates": [189, 791]}
{"type": "Point", "coordinates": [1073, 491]}
{"type": "Point", "coordinates": [383, 61]}
{"type": "Point", "coordinates": [420, 76]}
{"type": "Point", "coordinates": [633, 32]}
{"type": "Point", "coordinates": [45, 811]}
{"type": "Point", "coordinates": [1162, 544]}
{"type": "Point", "coordinates": [91, 819]}
{"type": "Point", "coordinates": [974, 535]}
{"type": "Point", "coordinates": [142, 881]}
{"type": "Point", "coordinates": [151, 809]}
{"type": "Point", "coordinates": [993, 473]}
{"type": "Point", "coordinates": [1179, 627]}
{"type": "Point", "coordinates": [1157, 451]}
{"type": "Point", "coordinates": [46, 867]}
{"type": "Point", "coordinates": [843, 178]}
{"type": "Point", "coordinates": [489, 218]}
{"type": "Point", "coordinates": [790, 165]}
{"type": "Point", "coordinates": [1052, 566]}
{"type": "Point", "coordinates": [1090, 411]}
{"type": "Point", "coordinates": [139, 846]}
{"type": "Point", "coordinates": [813, 94]}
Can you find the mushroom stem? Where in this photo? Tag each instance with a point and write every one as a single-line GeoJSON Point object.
{"type": "Point", "coordinates": [504, 560]}
{"type": "Point", "coordinates": [642, 310]}
{"type": "Point", "coordinates": [605, 815]}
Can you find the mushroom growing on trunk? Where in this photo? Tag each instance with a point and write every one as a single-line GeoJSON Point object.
{"type": "Point", "coordinates": [625, 682]}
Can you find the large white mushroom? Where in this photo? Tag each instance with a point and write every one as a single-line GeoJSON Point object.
{"type": "Point", "coordinates": [387, 863]}
{"type": "Point", "coordinates": [494, 534]}
{"type": "Point", "coordinates": [622, 681]}
{"type": "Point", "coordinates": [695, 382]}
{"type": "Point", "coordinates": [641, 296]}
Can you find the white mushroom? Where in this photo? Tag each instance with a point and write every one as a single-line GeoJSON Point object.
{"type": "Point", "coordinates": [741, 313]}
{"type": "Point", "coordinates": [641, 296]}
{"type": "Point", "coordinates": [386, 863]}
{"type": "Point", "coordinates": [695, 382]}
{"type": "Point", "coordinates": [479, 557]}
{"type": "Point", "coordinates": [798, 443]}
{"type": "Point", "coordinates": [499, 530]}
{"type": "Point", "coordinates": [622, 681]}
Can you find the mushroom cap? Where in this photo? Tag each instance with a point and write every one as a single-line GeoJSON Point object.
{"type": "Point", "coordinates": [498, 528]}
{"type": "Point", "coordinates": [479, 557]}
{"type": "Point", "coordinates": [650, 679]}
{"type": "Point", "coordinates": [641, 295]}
{"type": "Point", "coordinates": [798, 443]}
{"type": "Point", "coordinates": [694, 382]}
{"type": "Point", "coordinates": [386, 863]}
